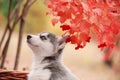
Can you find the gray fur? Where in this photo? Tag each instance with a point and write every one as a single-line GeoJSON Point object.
{"type": "Point", "coordinates": [55, 57]}
{"type": "Point", "coordinates": [59, 72]}
{"type": "Point", "coordinates": [51, 36]}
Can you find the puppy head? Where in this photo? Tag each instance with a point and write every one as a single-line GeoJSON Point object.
{"type": "Point", "coordinates": [46, 44]}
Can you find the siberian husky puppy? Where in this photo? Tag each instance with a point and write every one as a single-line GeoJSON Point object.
{"type": "Point", "coordinates": [47, 62]}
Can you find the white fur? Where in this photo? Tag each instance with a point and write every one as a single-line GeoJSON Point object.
{"type": "Point", "coordinates": [41, 49]}
{"type": "Point", "coordinates": [37, 72]}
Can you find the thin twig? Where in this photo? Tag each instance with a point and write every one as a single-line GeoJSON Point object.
{"type": "Point", "coordinates": [7, 27]}
{"type": "Point", "coordinates": [22, 23]}
{"type": "Point", "coordinates": [16, 9]}
{"type": "Point", "coordinates": [8, 24]}
{"type": "Point", "coordinates": [19, 39]}
{"type": "Point", "coordinates": [5, 49]}
{"type": "Point", "coordinates": [10, 17]}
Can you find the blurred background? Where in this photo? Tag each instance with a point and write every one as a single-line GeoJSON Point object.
{"type": "Point", "coordinates": [87, 63]}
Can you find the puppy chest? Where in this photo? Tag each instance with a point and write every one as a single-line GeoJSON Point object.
{"type": "Point", "coordinates": [39, 75]}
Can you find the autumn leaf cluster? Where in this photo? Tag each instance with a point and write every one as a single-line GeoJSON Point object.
{"type": "Point", "coordinates": [81, 17]}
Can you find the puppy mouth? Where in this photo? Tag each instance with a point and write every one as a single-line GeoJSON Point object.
{"type": "Point", "coordinates": [31, 44]}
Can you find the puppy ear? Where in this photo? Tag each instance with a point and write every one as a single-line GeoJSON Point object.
{"type": "Point", "coordinates": [62, 41]}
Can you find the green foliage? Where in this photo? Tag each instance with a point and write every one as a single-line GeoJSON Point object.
{"type": "Point", "coordinates": [4, 4]}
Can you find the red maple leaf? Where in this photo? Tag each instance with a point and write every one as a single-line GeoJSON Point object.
{"type": "Point", "coordinates": [65, 27]}
{"type": "Point", "coordinates": [54, 21]}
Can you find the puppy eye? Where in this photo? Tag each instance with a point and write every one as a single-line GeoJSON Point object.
{"type": "Point", "coordinates": [43, 38]}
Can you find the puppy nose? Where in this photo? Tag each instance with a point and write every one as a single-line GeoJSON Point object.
{"type": "Point", "coordinates": [29, 36]}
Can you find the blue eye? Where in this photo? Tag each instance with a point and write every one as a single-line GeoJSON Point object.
{"type": "Point", "coordinates": [43, 37]}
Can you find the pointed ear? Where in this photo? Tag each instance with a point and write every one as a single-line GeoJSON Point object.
{"type": "Point", "coordinates": [62, 41]}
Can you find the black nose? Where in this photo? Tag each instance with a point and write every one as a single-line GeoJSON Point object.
{"type": "Point", "coordinates": [29, 36]}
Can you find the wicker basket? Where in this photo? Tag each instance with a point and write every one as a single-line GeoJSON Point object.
{"type": "Point", "coordinates": [12, 75]}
